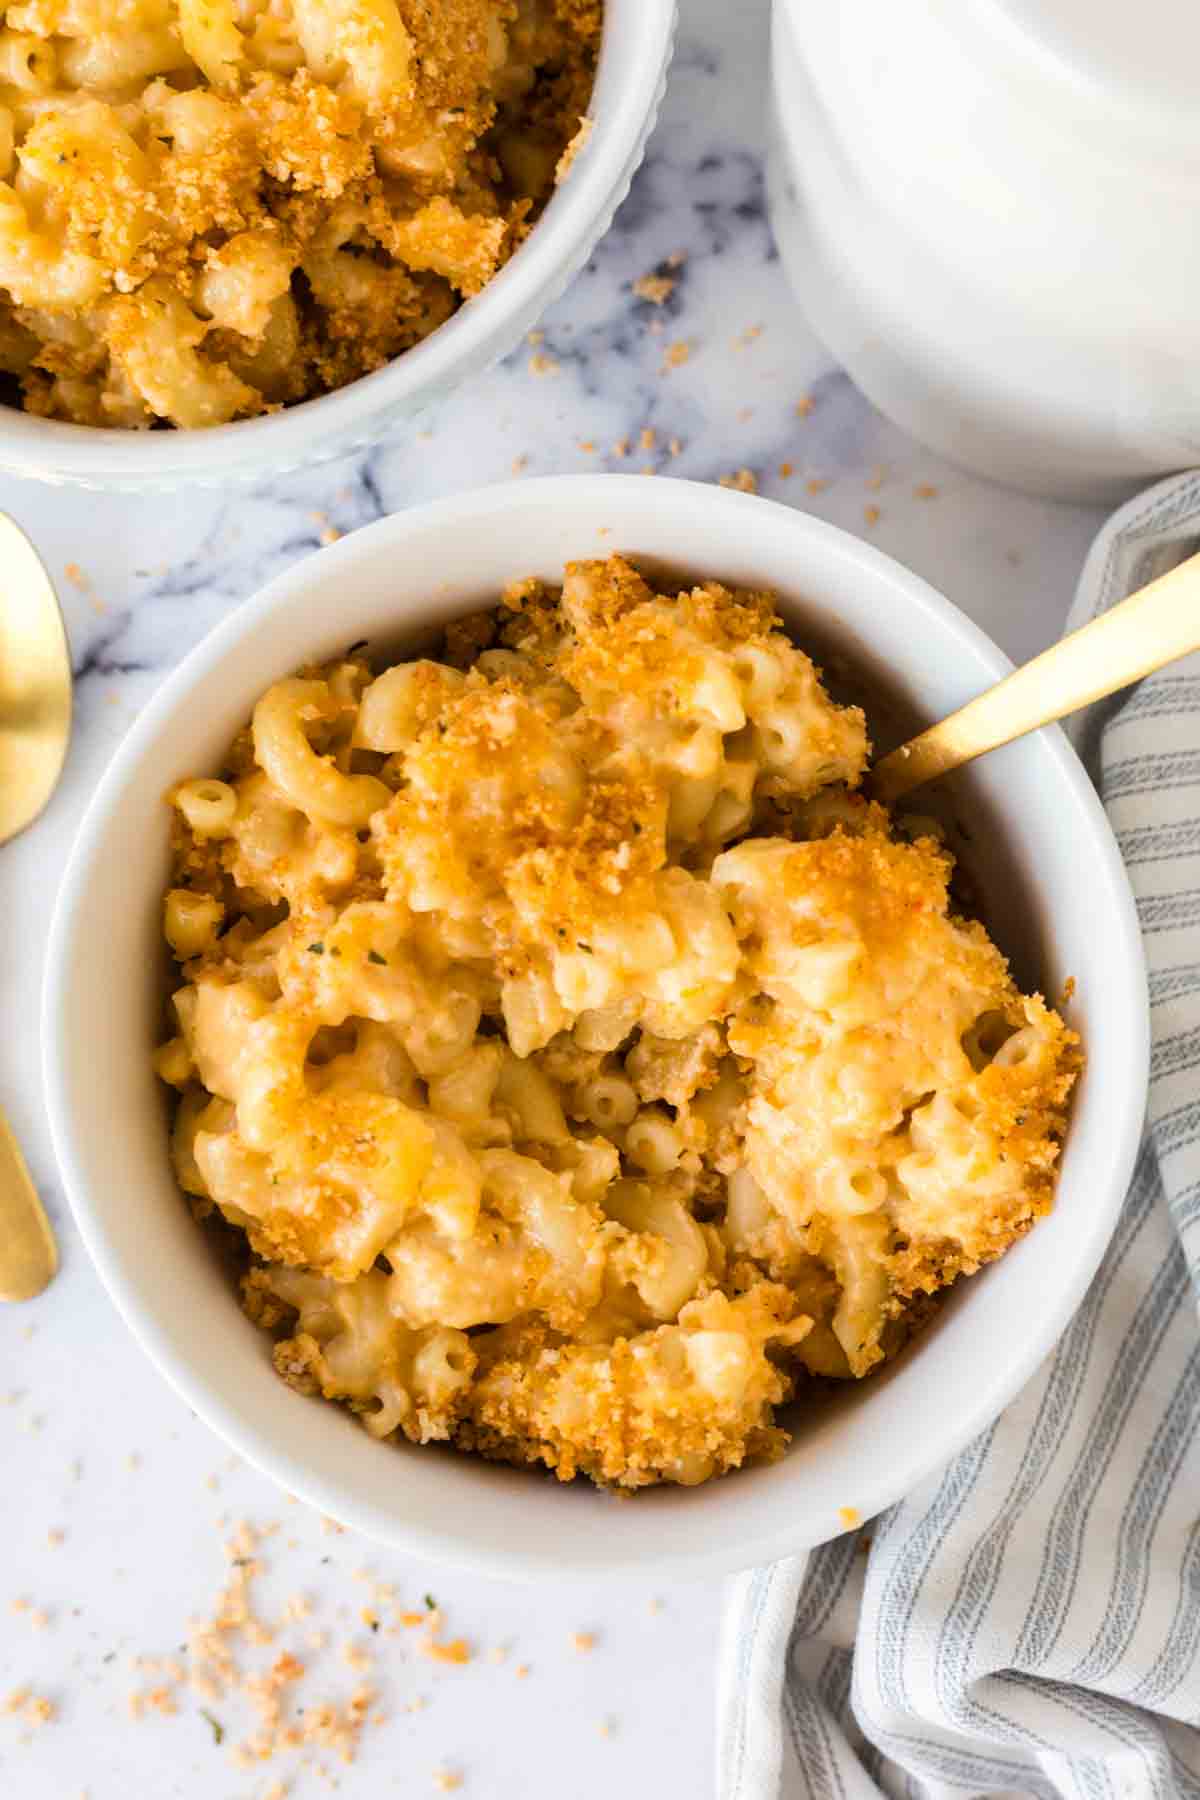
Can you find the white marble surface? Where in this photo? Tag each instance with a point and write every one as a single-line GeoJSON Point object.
{"type": "Point", "coordinates": [95, 1447]}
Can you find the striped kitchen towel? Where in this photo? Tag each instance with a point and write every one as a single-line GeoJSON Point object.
{"type": "Point", "coordinates": [1027, 1622]}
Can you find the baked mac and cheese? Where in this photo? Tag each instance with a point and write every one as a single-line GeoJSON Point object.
{"type": "Point", "coordinates": [213, 208]}
{"type": "Point", "coordinates": [587, 1064]}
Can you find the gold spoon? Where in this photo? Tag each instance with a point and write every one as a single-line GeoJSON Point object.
{"type": "Point", "coordinates": [1153, 627]}
{"type": "Point", "coordinates": [35, 725]}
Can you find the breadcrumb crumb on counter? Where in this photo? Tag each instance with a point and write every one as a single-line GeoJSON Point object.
{"type": "Point", "coordinates": [33, 1709]}
{"type": "Point", "coordinates": [655, 288]}
{"type": "Point", "coordinates": [295, 1709]}
{"type": "Point", "coordinates": [676, 354]}
{"type": "Point", "coordinates": [456, 1651]}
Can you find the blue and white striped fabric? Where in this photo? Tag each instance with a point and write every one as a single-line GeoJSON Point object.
{"type": "Point", "coordinates": [1028, 1621]}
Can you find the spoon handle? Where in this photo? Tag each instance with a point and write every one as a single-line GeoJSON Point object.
{"type": "Point", "coordinates": [1155, 626]}
{"type": "Point", "coordinates": [28, 1252]}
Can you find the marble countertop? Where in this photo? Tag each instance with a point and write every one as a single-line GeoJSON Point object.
{"type": "Point", "coordinates": [115, 1501]}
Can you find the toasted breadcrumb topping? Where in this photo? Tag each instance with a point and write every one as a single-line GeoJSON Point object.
{"type": "Point", "coordinates": [235, 234]}
{"type": "Point", "coordinates": [590, 1067]}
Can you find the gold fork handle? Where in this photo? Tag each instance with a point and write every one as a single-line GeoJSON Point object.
{"type": "Point", "coordinates": [28, 1252]}
{"type": "Point", "coordinates": [1153, 627]}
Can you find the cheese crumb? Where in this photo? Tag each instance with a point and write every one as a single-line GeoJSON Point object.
{"type": "Point", "coordinates": [804, 406]}
{"type": "Point", "coordinates": [849, 1517]}
{"type": "Point", "coordinates": [583, 1641]}
{"type": "Point", "coordinates": [745, 481]}
{"type": "Point", "coordinates": [676, 354]}
{"type": "Point", "coordinates": [35, 1709]}
{"type": "Point", "coordinates": [563, 166]}
{"type": "Point", "coordinates": [872, 515]}
{"type": "Point", "coordinates": [657, 289]}
{"type": "Point", "coordinates": [456, 1651]}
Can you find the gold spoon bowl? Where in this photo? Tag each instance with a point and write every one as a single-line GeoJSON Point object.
{"type": "Point", "coordinates": [35, 728]}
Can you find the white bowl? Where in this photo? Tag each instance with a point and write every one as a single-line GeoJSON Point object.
{"type": "Point", "coordinates": [1021, 297]}
{"type": "Point", "coordinates": [630, 79]}
{"type": "Point", "coordinates": [1055, 892]}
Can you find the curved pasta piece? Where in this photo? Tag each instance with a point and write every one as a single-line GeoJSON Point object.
{"type": "Point", "coordinates": [308, 781]}
{"type": "Point", "coordinates": [347, 1346]}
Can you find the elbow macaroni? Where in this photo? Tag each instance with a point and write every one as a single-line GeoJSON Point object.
{"type": "Point", "coordinates": [571, 1111]}
{"type": "Point", "coordinates": [241, 206]}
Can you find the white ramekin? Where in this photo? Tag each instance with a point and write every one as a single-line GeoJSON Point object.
{"type": "Point", "coordinates": [630, 79]}
{"type": "Point", "coordinates": [1056, 896]}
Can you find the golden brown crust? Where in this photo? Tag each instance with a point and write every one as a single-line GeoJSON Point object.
{"type": "Point", "coordinates": [613, 1068]}
{"type": "Point", "coordinates": [390, 207]}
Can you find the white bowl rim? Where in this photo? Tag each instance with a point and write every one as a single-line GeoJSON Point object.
{"type": "Point", "coordinates": [55, 449]}
{"type": "Point", "coordinates": [996, 1386]}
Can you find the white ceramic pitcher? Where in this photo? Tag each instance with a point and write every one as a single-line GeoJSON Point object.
{"type": "Point", "coordinates": [989, 210]}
